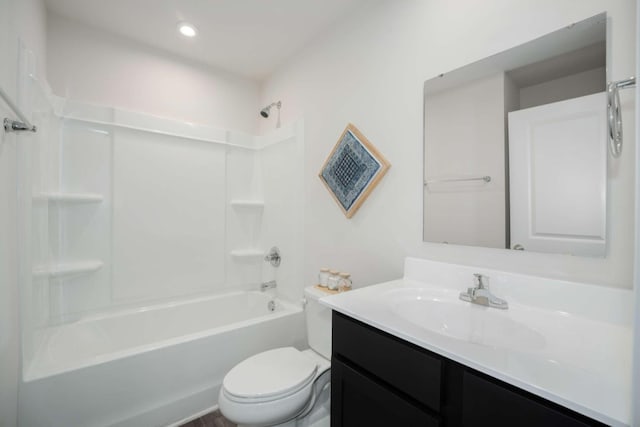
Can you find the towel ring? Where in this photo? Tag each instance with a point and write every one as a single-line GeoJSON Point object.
{"type": "Point", "coordinates": [614, 114]}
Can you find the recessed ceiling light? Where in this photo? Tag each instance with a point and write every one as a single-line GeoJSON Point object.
{"type": "Point", "coordinates": [187, 29]}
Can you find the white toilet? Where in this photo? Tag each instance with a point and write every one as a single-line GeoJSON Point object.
{"type": "Point", "coordinates": [284, 386]}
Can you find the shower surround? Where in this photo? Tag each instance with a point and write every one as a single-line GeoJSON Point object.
{"type": "Point", "coordinates": [143, 244]}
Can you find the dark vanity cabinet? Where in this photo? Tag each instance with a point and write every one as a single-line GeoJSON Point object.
{"type": "Point", "coordinates": [380, 380]}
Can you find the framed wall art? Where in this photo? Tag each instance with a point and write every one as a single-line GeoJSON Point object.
{"type": "Point", "coordinates": [352, 170]}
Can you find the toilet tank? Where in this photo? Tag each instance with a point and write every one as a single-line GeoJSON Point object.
{"type": "Point", "coordinates": [318, 319]}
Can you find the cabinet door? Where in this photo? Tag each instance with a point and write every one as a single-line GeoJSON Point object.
{"type": "Point", "coordinates": [392, 361]}
{"type": "Point", "coordinates": [485, 403]}
{"type": "Point", "coordinates": [358, 401]}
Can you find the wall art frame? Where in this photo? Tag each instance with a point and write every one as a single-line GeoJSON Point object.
{"type": "Point", "coordinates": [352, 170]}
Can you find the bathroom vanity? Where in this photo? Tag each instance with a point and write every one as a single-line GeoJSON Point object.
{"type": "Point", "coordinates": [410, 352]}
{"type": "Point", "coordinates": [380, 380]}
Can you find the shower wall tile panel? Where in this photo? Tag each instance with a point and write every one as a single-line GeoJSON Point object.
{"type": "Point", "coordinates": [169, 216]}
{"type": "Point", "coordinates": [281, 163]}
{"type": "Point", "coordinates": [244, 226]}
{"type": "Point", "coordinates": [80, 232]}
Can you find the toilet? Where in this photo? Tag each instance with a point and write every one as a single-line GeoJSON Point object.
{"type": "Point", "coordinates": [284, 387]}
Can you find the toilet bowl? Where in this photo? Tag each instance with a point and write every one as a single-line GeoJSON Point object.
{"type": "Point", "coordinates": [284, 386]}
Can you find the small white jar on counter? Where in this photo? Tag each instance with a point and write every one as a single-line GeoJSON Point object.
{"type": "Point", "coordinates": [345, 283]}
{"type": "Point", "coordinates": [334, 280]}
{"type": "Point", "coordinates": [323, 277]}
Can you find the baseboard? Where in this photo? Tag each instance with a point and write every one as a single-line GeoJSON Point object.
{"type": "Point", "coordinates": [194, 416]}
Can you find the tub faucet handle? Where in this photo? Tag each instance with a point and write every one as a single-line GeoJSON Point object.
{"type": "Point", "coordinates": [273, 257]}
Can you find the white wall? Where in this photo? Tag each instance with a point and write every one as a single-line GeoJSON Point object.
{"type": "Point", "coordinates": [635, 397]}
{"type": "Point", "coordinates": [9, 300]}
{"type": "Point", "coordinates": [31, 28]}
{"type": "Point", "coordinates": [23, 20]}
{"type": "Point", "coordinates": [370, 71]}
{"type": "Point", "coordinates": [88, 65]}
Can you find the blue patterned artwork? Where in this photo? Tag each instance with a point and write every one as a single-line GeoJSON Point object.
{"type": "Point", "coordinates": [352, 170]}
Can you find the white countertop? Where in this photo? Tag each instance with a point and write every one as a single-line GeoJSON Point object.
{"type": "Point", "coordinates": [579, 362]}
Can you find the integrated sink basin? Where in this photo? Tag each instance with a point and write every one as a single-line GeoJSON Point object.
{"type": "Point", "coordinates": [569, 343]}
{"type": "Point", "coordinates": [443, 313]}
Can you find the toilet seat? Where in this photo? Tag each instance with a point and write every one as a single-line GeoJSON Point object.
{"type": "Point", "coordinates": [269, 376]}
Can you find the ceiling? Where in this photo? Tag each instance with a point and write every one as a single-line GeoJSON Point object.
{"type": "Point", "coordinates": [247, 37]}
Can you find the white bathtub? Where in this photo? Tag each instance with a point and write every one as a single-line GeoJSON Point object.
{"type": "Point", "coordinates": [151, 366]}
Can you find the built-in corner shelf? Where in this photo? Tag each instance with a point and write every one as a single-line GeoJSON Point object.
{"type": "Point", "coordinates": [69, 197]}
{"type": "Point", "coordinates": [248, 204]}
{"type": "Point", "coordinates": [67, 269]}
{"type": "Point", "coordinates": [247, 253]}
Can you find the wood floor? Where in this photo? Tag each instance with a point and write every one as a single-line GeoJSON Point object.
{"type": "Point", "coordinates": [212, 419]}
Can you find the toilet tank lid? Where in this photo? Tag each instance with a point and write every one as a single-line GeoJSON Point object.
{"type": "Point", "coordinates": [270, 374]}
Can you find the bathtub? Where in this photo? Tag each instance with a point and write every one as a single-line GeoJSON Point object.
{"type": "Point", "coordinates": [153, 366]}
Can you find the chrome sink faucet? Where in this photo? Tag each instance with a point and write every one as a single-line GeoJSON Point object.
{"type": "Point", "coordinates": [481, 295]}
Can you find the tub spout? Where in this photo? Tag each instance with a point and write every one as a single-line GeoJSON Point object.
{"type": "Point", "coordinates": [268, 285]}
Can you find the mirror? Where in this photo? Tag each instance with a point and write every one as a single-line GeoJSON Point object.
{"type": "Point", "coordinates": [515, 147]}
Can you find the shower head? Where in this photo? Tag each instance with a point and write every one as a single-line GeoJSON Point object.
{"type": "Point", "coordinates": [265, 111]}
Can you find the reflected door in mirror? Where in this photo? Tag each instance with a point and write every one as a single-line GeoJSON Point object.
{"type": "Point", "coordinates": [558, 176]}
